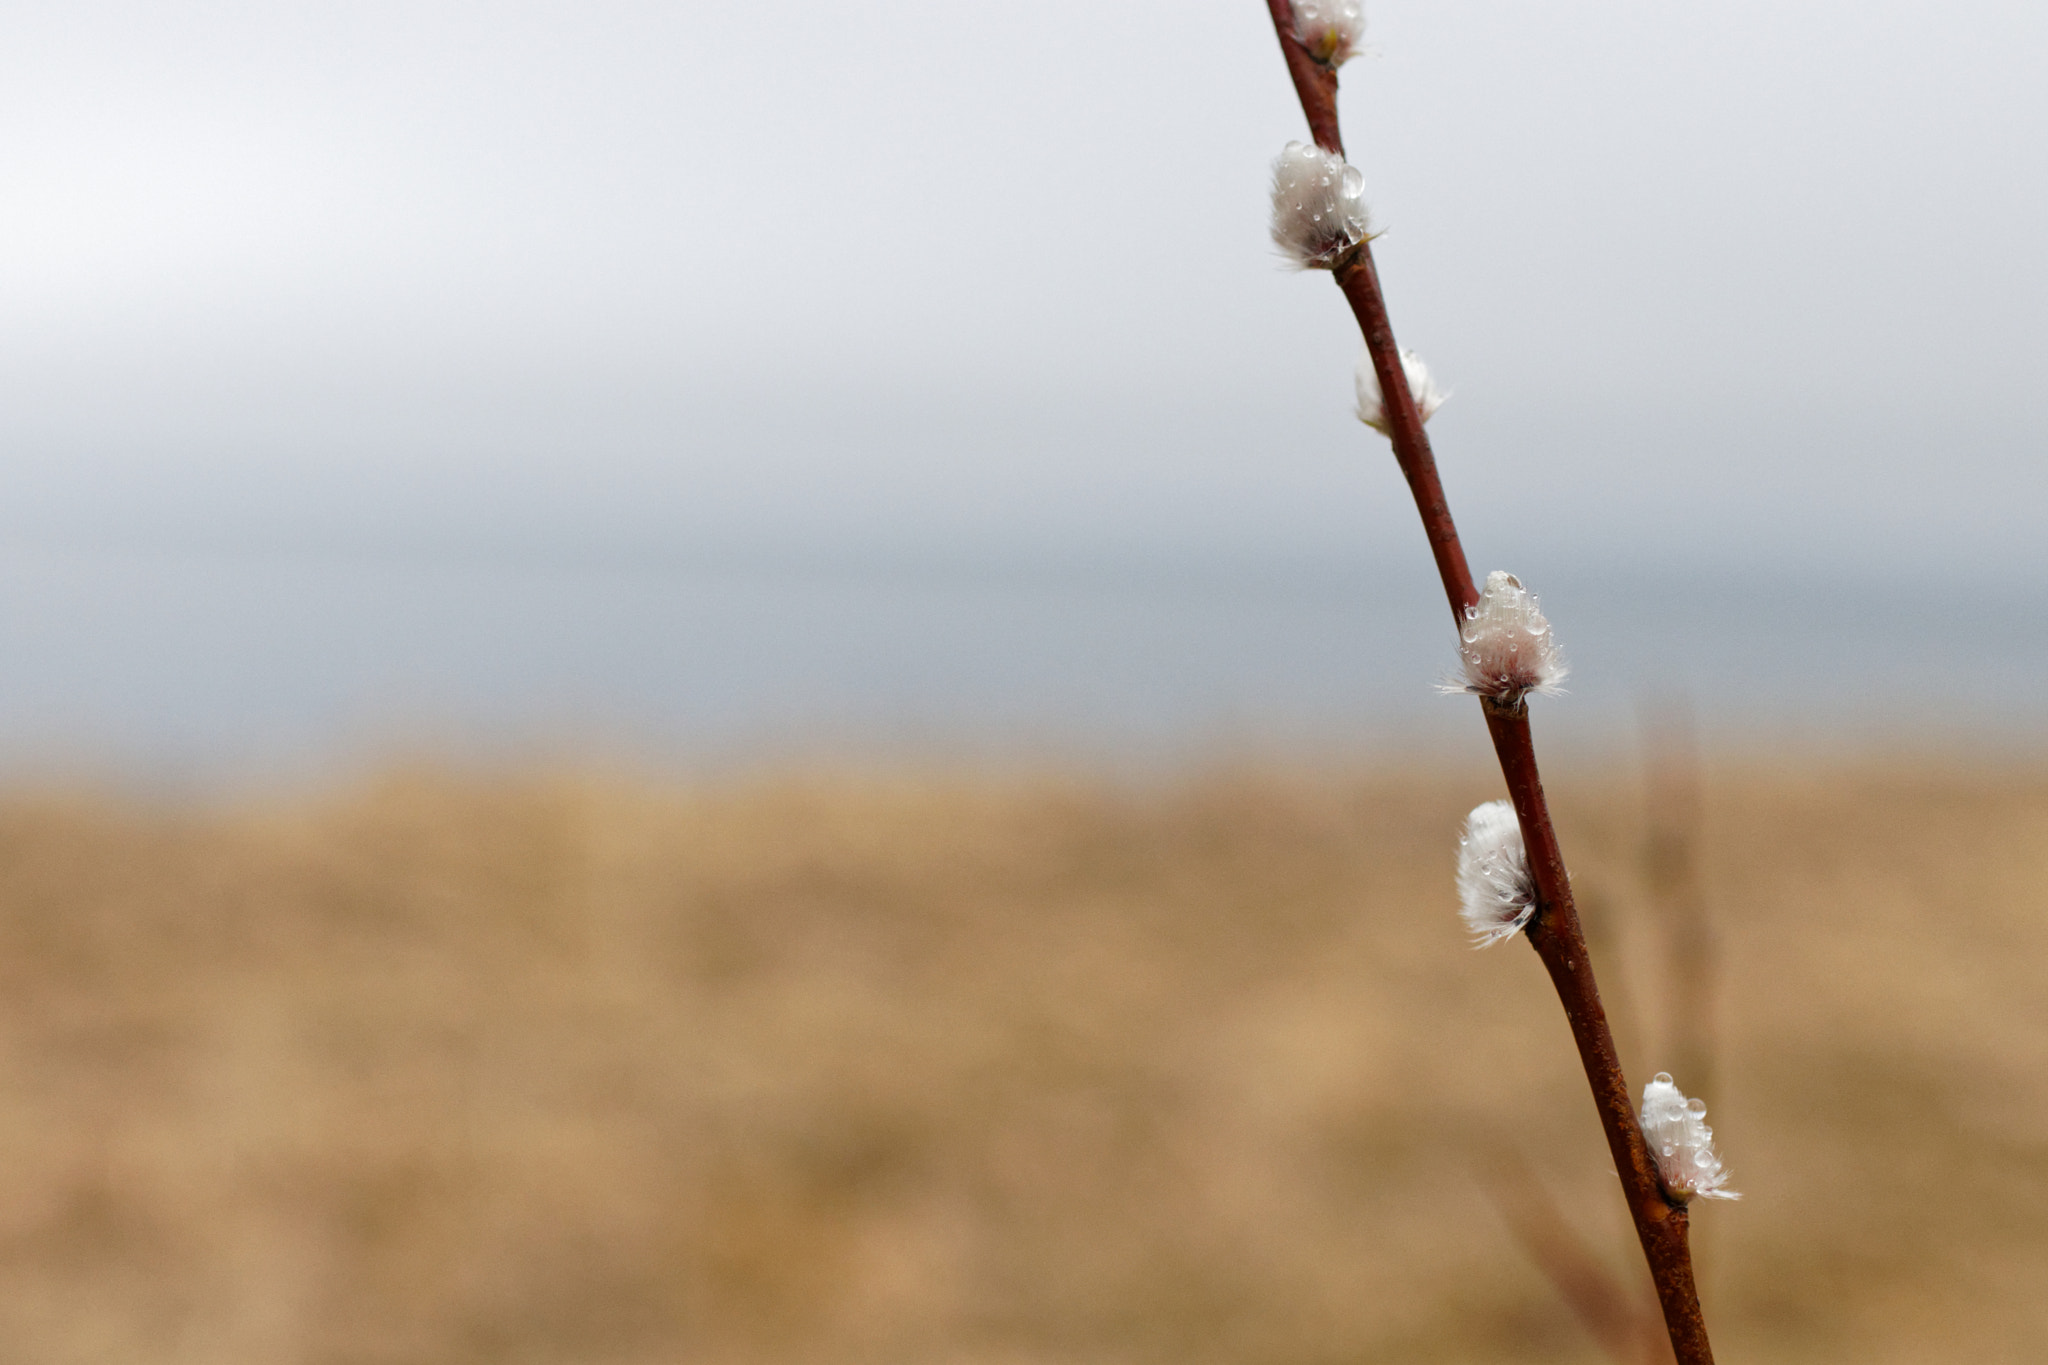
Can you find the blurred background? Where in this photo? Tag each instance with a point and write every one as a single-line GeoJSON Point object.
{"type": "Point", "coordinates": [695, 384]}
{"type": "Point", "coordinates": [686, 679]}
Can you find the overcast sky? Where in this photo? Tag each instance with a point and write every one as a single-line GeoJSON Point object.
{"type": "Point", "coordinates": [1738, 282]}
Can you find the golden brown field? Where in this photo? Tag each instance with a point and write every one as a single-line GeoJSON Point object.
{"type": "Point", "coordinates": [987, 1070]}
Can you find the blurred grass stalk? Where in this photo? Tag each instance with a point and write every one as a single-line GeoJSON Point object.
{"type": "Point", "coordinates": [1671, 876]}
{"type": "Point", "coordinates": [1604, 1306]}
{"type": "Point", "coordinates": [1660, 1219]}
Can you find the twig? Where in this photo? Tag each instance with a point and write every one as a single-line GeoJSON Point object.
{"type": "Point", "coordinates": [1554, 931]}
{"type": "Point", "coordinates": [1604, 918]}
{"type": "Point", "coordinates": [1661, 1226]}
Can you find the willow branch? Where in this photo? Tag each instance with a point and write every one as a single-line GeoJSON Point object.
{"type": "Point", "coordinates": [1554, 931]}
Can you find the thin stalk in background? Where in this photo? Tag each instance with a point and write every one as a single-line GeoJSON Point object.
{"type": "Point", "coordinates": [1553, 930]}
{"type": "Point", "coordinates": [1671, 872]}
{"type": "Point", "coordinates": [1627, 1331]}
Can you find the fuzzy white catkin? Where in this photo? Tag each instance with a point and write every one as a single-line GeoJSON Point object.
{"type": "Point", "coordinates": [1496, 894]}
{"type": "Point", "coordinates": [1330, 29]}
{"type": "Point", "coordinates": [1372, 404]}
{"type": "Point", "coordinates": [1682, 1144]}
{"type": "Point", "coordinates": [1318, 206]}
{"type": "Point", "coordinates": [1506, 647]}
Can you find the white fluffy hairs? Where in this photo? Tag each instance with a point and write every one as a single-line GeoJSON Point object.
{"type": "Point", "coordinates": [1372, 404]}
{"type": "Point", "coordinates": [1330, 29]}
{"type": "Point", "coordinates": [1506, 646]}
{"type": "Point", "coordinates": [1496, 894]}
{"type": "Point", "coordinates": [1683, 1145]}
{"type": "Point", "coordinates": [1318, 206]}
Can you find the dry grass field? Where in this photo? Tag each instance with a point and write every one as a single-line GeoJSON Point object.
{"type": "Point", "coordinates": [895, 1069]}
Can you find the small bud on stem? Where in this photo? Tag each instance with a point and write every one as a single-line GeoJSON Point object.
{"type": "Point", "coordinates": [1330, 30]}
{"type": "Point", "coordinates": [1506, 646]}
{"type": "Point", "coordinates": [1683, 1145]}
{"type": "Point", "coordinates": [1318, 206]}
{"type": "Point", "coordinates": [1496, 894]}
{"type": "Point", "coordinates": [1372, 404]}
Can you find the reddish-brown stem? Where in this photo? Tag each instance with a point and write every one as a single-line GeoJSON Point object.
{"type": "Point", "coordinates": [1314, 82]}
{"type": "Point", "coordinates": [1555, 935]}
{"type": "Point", "coordinates": [1554, 930]}
{"type": "Point", "coordinates": [1361, 285]}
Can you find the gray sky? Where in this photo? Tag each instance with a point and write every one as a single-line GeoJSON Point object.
{"type": "Point", "coordinates": [1738, 283]}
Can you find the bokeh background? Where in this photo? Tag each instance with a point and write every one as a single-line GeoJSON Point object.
{"type": "Point", "coordinates": [685, 681]}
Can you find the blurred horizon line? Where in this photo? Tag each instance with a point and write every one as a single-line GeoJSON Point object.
{"type": "Point", "coordinates": [1190, 566]}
